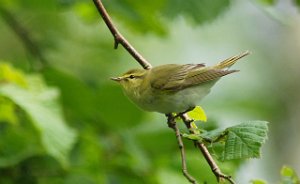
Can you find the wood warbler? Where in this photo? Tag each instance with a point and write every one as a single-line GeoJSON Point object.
{"type": "Point", "coordinates": [173, 88]}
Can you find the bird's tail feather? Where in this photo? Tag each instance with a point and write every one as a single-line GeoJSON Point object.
{"type": "Point", "coordinates": [230, 61]}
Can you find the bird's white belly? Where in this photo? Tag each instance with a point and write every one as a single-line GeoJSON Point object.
{"type": "Point", "coordinates": [175, 102]}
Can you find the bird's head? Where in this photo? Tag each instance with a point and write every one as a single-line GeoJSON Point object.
{"type": "Point", "coordinates": [131, 79]}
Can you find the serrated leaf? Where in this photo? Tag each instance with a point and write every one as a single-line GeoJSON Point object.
{"type": "Point", "coordinates": [42, 107]}
{"type": "Point", "coordinates": [288, 176]}
{"type": "Point", "coordinates": [212, 134]}
{"type": "Point", "coordinates": [215, 136]}
{"type": "Point", "coordinates": [197, 114]}
{"type": "Point", "coordinates": [245, 140]}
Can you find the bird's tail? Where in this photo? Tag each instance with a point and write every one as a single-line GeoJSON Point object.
{"type": "Point", "coordinates": [230, 61]}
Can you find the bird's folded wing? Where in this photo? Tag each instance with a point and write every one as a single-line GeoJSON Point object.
{"type": "Point", "coordinates": [179, 77]}
{"type": "Point", "coordinates": [171, 77]}
{"type": "Point", "coordinates": [199, 77]}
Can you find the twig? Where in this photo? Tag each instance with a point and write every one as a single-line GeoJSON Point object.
{"type": "Point", "coordinates": [119, 38]}
{"type": "Point", "coordinates": [28, 42]}
{"type": "Point", "coordinates": [214, 167]}
{"type": "Point", "coordinates": [172, 124]}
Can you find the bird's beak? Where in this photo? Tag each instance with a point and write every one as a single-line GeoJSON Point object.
{"type": "Point", "coordinates": [117, 79]}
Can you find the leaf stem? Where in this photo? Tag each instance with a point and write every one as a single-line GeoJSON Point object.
{"type": "Point", "coordinates": [215, 139]}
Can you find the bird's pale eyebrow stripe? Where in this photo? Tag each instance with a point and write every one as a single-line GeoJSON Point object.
{"type": "Point", "coordinates": [131, 71]}
{"type": "Point", "coordinates": [135, 76]}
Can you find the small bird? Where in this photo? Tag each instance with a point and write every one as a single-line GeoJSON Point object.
{"type": "Point", "coordinates": [173, 88]}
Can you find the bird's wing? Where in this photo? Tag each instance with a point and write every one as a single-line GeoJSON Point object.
{"type": "Point", "coordinates": [178, 77]}
{"type": "Point", "coordinates": [205, 75]}
{"type": "Point", "coordinates": [171, 78]}
{"type": "Point", "coordinates": [183, 76]}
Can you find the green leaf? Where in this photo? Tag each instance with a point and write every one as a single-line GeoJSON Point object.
{"type": "Point", "coordinates": [7, 111]}
{"type": "Point", "coordinates": [137, 13]}
{"type": "Point", "coordinates": [18, 142]}
{"type": "Point", "coordinates": [288, 176]}
{"type": "Point", "coordinates": [87, 159]}
{"type": "Point", "coordinates": [40, 103]}
{"type": "Point", "coordinates": [194, 137]}
{"type": "Point", "coordinates": [245, 140]}
{"type": "Point", "coordinates": [258, 181]}
{"type": "Point", "coordinates": [297, 3]}
{"type": "Point", "coordinates": [213, 134]}
{"type": "Point", "coordinates": [266, 2]}
{"type": "Point", "coordinates": [199, 11]}
{"type": "Point", "coordinates": [12, 75]}
{"type": "Point", "coordinates": [197, 114]}
{"type": "Point", "coordinates": [134, 13]}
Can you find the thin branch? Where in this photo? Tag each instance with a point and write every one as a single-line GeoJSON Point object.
{"type": "Point", "coordinates": [172, 124]}
{"type": "Point", "coordinates": [27, 40]}
{"type": "Point", "coordinates": [214, 167]}
{"type": "Point", "coordinates": [119, 38]}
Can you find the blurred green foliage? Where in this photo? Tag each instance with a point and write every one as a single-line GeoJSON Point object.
{"type": "Point", "coordinates": [65, 122]}
{"type": "Point", "coordinates": [267, 2]}
{"type": "Point", "coordinates": [297, 2]}
{"type": "Point", "coordinates": [289, 176]}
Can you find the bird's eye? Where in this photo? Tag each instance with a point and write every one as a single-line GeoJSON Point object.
{"type": "Point", "coordinates": [131, 76]}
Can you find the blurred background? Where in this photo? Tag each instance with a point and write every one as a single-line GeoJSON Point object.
{"type": "Point", "coordinates": [63, 121]}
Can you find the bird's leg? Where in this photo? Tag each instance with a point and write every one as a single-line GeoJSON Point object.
{"type": "Point", "coordinates": [186, 111]}
{"type": "Point", "coordinates": [171, 120]}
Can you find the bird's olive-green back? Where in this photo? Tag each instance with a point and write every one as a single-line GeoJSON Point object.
{"type": "Point", "coordinates": [173, 77]}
